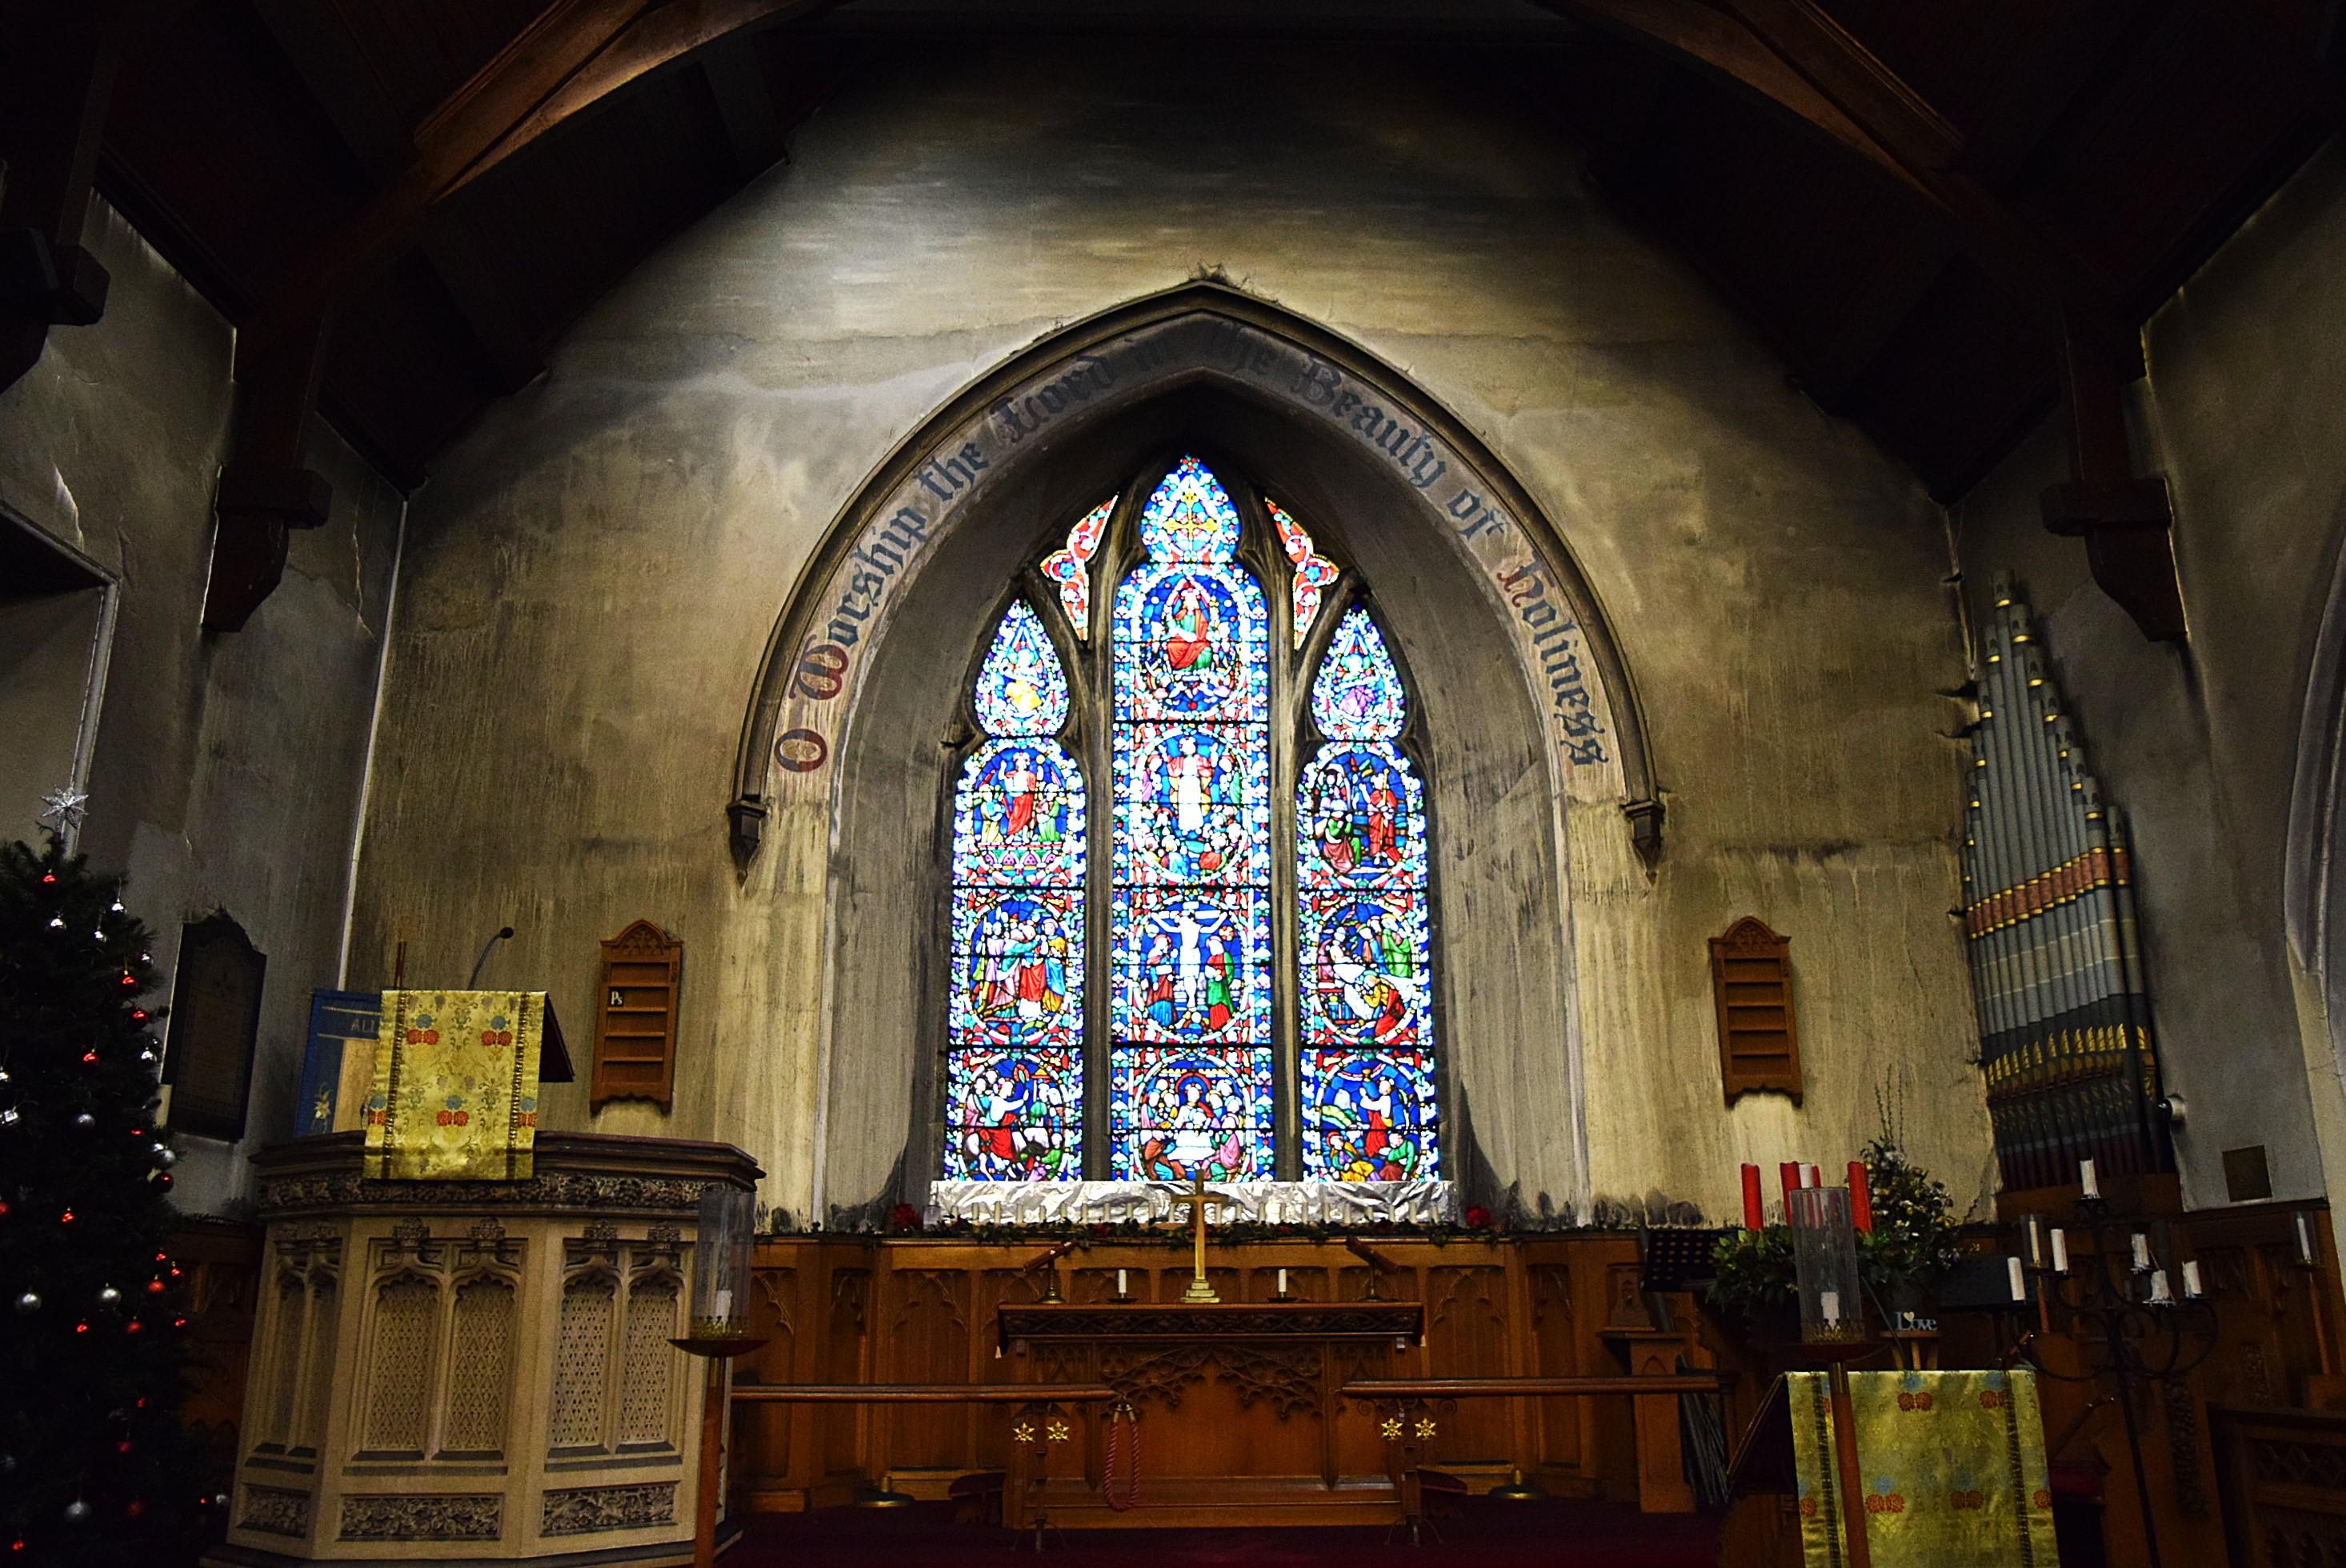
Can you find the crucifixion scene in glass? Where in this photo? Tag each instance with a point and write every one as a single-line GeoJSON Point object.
{"type": "Point", "coordinates": [1199, 926]}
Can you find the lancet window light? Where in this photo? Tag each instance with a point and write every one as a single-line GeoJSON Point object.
{"type": "Point", "coordinates": [1201, 981]}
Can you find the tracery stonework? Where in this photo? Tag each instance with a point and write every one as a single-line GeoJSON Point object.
{"type": "Point", "coordinates": [466, 1516]}
{"type": "Point", "coordinates": [582, 1510]}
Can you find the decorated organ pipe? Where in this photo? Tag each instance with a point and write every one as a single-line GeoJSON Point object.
{"type": "Point", "coordinates": [2049, 923]}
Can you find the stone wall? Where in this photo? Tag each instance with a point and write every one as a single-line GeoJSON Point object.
{"type": "Point", "coordinates": [2197, 744]}
{"type": "Point", "coordinates": [591, 578]}
{"type": "Point", "coordinates": [227, 771]}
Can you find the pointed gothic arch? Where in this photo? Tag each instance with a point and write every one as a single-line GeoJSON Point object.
{"type": "Point", "coordinates": [859, 701]}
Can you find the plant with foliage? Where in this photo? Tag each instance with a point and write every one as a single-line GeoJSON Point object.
{"type": "Point", "coordinates": [95, 1469]}
{"type": "Point", "coordinates": [1913, 1243]}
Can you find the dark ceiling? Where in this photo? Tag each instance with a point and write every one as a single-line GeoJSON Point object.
{"type": "Point", "coordinates": [2108, 146]}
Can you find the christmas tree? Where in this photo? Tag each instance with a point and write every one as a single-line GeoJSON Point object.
{"type": "Point", "coordinates": [94, 1467]}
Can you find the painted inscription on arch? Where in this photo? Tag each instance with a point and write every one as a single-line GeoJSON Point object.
{"type": "Point", "coordinates": [831, 659]}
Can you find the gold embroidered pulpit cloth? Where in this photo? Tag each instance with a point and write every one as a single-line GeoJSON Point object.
{"type": "Point", "coordinates": [1953, 1466]}
{"type": "Point", "coordinates": [455, 1086]}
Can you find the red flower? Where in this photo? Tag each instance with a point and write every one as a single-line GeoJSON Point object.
{"type": "Point", "coordinates": [1478, 1217]}
{"type": "Point", "coordinates": [903, 1216]}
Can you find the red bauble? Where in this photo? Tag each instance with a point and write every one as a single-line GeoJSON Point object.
{"type": "Point", "coordinates": [81, 1327]}
{"type": "Point", "coordinates": [133, 1327]}
{"type": "Point", "coordinates": [88, 1058]}
{"type": "Point", "coordinates": [156, 1288]}
{"type": "Point", "coordinates": [129, 979]}
{"type": "Point", "coordinates": [122, 1447]}
{"type": "Point", "coordinates": [66, 1218]}
{"type": "Point", "coordinates": [46, 877]}
{"type": "Point", "coordinates": [163, 1180]}
{"type": "Point", "coordinates": [137, 1015]}
{"type": "Point", "coordinates": [137, 1508]}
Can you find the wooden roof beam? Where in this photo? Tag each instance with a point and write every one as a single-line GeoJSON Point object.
{"type": "Point", "coordinates": [56, 77]}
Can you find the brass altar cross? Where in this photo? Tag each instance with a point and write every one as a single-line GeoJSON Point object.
{"type": "Point", "coordinates": [1195, 1200]}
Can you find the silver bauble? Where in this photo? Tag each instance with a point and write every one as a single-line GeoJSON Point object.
{"type": "Point", "coordinates": [85, 1121]}
{"type": "Point", "coordinates": [108, 1296]}
{"type": "Point", "coordinates": [28, 1303]}
{"type": "Point", "coordinates": [166, 1156]}
{"type": "Point", "coordinates": [76, 1510]}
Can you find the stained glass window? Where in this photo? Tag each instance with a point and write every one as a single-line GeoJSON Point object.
{"type": "Point", "coordinates": [1189, 1014]}
{"type": "Point", "coordinates": [1369, 1109]}
{"type": "Point", "coordinates": [1013, 1060]}
{"type": "Point", "coordinates": [1070, 566]}
{"type": "Point", "coordinates": [1187, 1064]}
{"type": "Point", "coordinates": [1313, 571]}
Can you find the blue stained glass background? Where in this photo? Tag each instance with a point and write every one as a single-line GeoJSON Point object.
{"type": "Point", "coordinates": [1359, 817]}
{"type": "Point", "coordinates": [1017, 966]}
{"type": "Point", "coordinates": [1021, 687]}
{"type": "Point", "coordinates": [1177, 1114]}
{"type": "Point", "coordinates": [1188, 516]}
{"type": "Point", "coordinates": [1018, 816]}
{"type": "Point", "coordinates": [1192, 804]}
{"type": "Point", "coordinates": [1015, 1115]}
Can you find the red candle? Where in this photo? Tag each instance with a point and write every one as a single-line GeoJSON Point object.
{"type": "Point", "coordinates": [1752, 1216]}
{"type": "Point", "coordinates": [1791, 1170]}
{"type": "Point", "coordinates": [1861, 1197]}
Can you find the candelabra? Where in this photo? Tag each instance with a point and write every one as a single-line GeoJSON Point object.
{"type": "Point", "coordinates": [2120, 1312]}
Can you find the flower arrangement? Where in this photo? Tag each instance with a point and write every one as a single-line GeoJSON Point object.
{"type": "Point", "coordinates": [1912, 1246]}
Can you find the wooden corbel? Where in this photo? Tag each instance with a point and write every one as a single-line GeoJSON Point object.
{"type": "Point", "coordinates": [56, 77]}
{"type": "Point", "coordinates": [265, 491]}
{"type": "Point", "coordinates": [2123, 518]}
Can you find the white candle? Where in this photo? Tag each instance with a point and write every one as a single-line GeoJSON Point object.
{"type": "Point", "coordinates": [2191, 1278]}
{"type": "Point", "coordinates": [2019, 1280]}
{"type": "Point", "coordinates": [1829, 1306]}
{"type": "Point", "coordinates": [2304, 1238]}
{"type": "Point", "coordinates": [1812, 1176]}
{"type": "Point", "coordinates": [2035, 1232]}
{"type": "Point", "coordinates": [2060, 1251]}
{"type": "Point", "coordinates": [1119, 1282]}
{"type": "Point", "coordinates": [1282, 1282]}
{"type": "Point", "coordinates": [2158, 1290]}
{"type": "Point", "coordinates": [725, 1306]}
{"type": "Point", "coordinates": [2141, 1253]}
{"type": "Point", "coordinates": [2090, 1188]}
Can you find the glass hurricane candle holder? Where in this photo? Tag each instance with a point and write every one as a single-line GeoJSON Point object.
{"type": "Point", "coordinates": [1824, 1259]}
{"type": "Point", "coordinates": [721, 1280]}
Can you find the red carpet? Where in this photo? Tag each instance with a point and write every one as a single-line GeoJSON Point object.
{"type": "Point", "coordinates": [1486, 1534]}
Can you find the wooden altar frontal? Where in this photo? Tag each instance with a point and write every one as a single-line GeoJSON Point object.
{"type": "Point", "coordinates": [1190, 1376]}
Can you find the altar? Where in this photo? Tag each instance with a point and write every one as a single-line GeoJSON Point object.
{"type": "Point", "coordinates": [1194, 1380]}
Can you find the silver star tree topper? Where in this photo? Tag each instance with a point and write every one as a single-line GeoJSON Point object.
{"type": "Point", "coordinates": [67, 807]}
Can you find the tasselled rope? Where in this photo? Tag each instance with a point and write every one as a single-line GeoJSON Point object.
{"type": "Point", "coordinates": [1122, 1453]}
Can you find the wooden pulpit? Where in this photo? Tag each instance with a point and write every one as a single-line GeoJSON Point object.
{"type": "Point", "coordinates": [1240, 1417]}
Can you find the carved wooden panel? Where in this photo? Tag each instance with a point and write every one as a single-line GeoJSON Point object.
{"type": "Point", "coordinates": [582, 1349]}
{"type": "Point", "coordinates": [647, 1367]}
{"type": "Point", "coordinates": [480, 1361]}
{"type": "Point", "coordinates": [1751, 985]}
{"type": "Point", "coordinates": [634, 1017]}
{"type": "Point", "coordinates": [1467, 1335]}
{"type": "Point", "coordinates": [399, 1368]}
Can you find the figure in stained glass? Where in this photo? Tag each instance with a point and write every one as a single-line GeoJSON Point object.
{"type": "Point", "coordinates": [1021, 688]}
{"type": "Point", "coordinates": [1360, 810]}
{"type": "Point", "coordinates": [1370, 1116]}
{"type": "Point", "coordinates": [1358, 695]}
{"type": "Point", "coordinates": [1365, 967]}
{"type": "Point", "coordinates": [1191, 643]}
{"type": "Point", "coordinates": [1017, 965]}
{"type": "Point", "coordinates": [1179, 1114]}
{"type": "Point", "coordinates": [1191, 965]}
{"type": "Point", "coordinates": [1018, 816]}
{"type": "Point", "coordinates": [1193, 805]}
{"type": "Point", "coordinates": [1014, 1115]}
